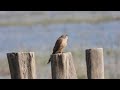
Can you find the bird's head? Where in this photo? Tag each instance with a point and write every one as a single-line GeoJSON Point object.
{"type": "Point", "coordinates": [64, 36]}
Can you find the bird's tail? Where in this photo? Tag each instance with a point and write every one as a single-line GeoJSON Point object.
{"type": "Point", "coordinates": [49, 60]}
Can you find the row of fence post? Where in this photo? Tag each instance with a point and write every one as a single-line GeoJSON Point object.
{"type": "Point", "coordinates": [22, 65]}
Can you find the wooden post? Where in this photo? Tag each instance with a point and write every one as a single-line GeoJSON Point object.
{"type": "Point", "coordinates": [95, 63]}
{"type": "Point", "coordinates": [22, 65]}
{"type": "Point", "coordinates": [62, 66]}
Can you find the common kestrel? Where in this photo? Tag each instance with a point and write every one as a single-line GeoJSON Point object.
{"type": "Point", "coordinates": [60, 44]}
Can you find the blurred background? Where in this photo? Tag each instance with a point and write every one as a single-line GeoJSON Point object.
{"type": "Point", "coordinates": [37, 31]}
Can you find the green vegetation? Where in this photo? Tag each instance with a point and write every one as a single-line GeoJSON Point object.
{"type": "Point", "coordinates": [49, 21]}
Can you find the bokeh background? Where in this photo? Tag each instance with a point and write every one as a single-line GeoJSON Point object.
{"type": "Point", "coordinates": [37, 31]}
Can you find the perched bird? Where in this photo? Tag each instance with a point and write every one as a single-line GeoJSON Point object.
{"type": "Point", "coordinates": [60, 44]}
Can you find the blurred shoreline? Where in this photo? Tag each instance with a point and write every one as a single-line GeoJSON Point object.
{"type": "Point", "coordinates": [18, 18]}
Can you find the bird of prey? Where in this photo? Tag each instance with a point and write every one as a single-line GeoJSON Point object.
{"type": "Point", "coordinates": [60, 44]}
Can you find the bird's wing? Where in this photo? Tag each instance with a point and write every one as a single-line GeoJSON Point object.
{"type": "Point", "coordinates": [57, 45]}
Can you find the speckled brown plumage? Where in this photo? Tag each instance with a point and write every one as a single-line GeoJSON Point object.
{"type": "Point", "coordinates": [60, 44]}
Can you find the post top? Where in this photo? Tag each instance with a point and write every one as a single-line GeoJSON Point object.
{"type": "Point", "coordinates": [95, 49]}
{"type": "Point", "coordinates": [62, 53]}
{"type": "Point", "coordinates": [19, 52]}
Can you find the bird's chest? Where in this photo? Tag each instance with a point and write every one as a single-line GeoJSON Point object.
{"type": "Point", "coordinates": [64, 43]}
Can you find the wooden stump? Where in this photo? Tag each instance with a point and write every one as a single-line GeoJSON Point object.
{"type": "Point", "coordinates": [95, 63]}
{"type": "Point", "coordinates": [22, 65]}
{"type": "Point", "coordinates": [62, 66]}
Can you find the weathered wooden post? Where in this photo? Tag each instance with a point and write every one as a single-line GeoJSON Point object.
{"type": "Point", "coordinates": [62, 66]}
{"type": "Point", "coordinates": [22, 65]}
{"type": "Point", "coordinates": [95, 63]}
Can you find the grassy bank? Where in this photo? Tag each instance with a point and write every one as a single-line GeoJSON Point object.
{"type": "Point", "coordinates": [48, 21]}
{"type": "Point", "coordinates": [111, 59]}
